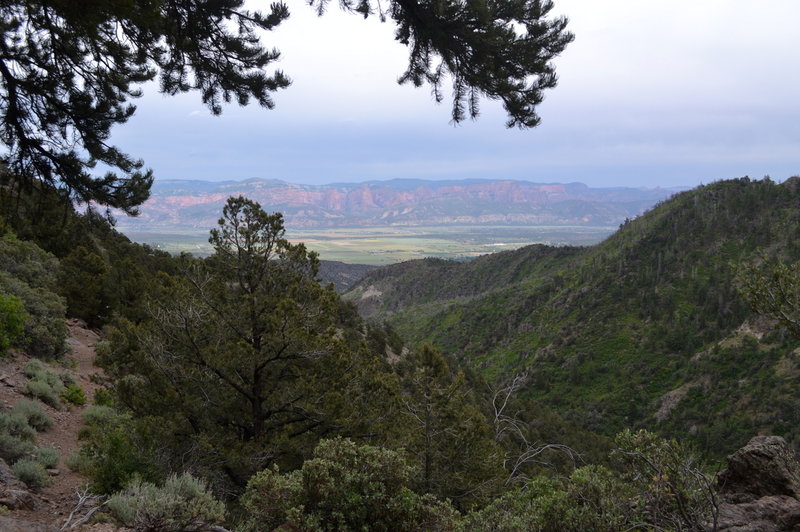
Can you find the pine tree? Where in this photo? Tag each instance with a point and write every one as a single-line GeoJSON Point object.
{"type": "Point", "coordinates": [70, 68]}
{"type": "Point", "coordinates": [247, 356]}
{"type": "Point", "coordinates": [449, 438]}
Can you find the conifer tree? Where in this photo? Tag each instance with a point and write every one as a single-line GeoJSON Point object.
{"type": "Point", "coordinates": [449, 438]}
{"type": "Point", "coordinates": [70, 68]}
{"type": "Point", "coordinates": [247, 356]}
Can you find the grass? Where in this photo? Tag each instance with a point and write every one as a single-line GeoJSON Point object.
{"type": "Point", "coordinates": [389, 245]}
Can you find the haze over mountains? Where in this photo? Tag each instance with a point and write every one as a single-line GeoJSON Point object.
{"type": "Point", "coordinates": [399, 202]}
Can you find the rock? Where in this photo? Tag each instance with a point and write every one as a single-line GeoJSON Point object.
{"type": "Point", "coordinates": [761, 488]}
{"type": "Point", "coordinates": [8, 479]}
{"type": "Point", "coordinates": [14, 525]}
{"type": "Point", "coordinates": [17, 500]}
{"type": "Point", "coordinates": [766, 466]}
{"type": "Point", "coordinates": [774, 513]}
{"type": "Point", "coordinates": [53, 472]}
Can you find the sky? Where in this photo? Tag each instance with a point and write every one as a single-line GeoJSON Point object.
{"type": "Point", "coordinates": [651, 93]}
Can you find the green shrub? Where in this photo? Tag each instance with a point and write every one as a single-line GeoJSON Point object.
{"type": "Point", "coordinates": [28, 262]}
{"type": "Point", "coordinates": [12, 448]}
{"type": "Point", "coordinates": [12, 322]}
{"type": "Point", "coordinates": [16, 424]}
{"type": "Point", "coordinates": [32, 473]}
{"type": "Point", "coordinates": [34, 414]}
{"type": "Point", "coordinates": [344, 486]}
{"type": "Point", "coordinates": [672, 487]}
{"type": "Point", "coordinates": [103, 348]}
{"type": "Point", "coordinates": [103, 397]}
{"type": "Point", "coordinates": [183, 503]}
{"type": "Point", "coordinates": [110, 456]}
{"type": "Point", "coordinates": [67, 380]}
{"type": "Point", "coordinates": [42, 391]}
{"type": "Point", "coordinates": [47, 456]}
{"type": "Point", "coordinates": [74, 394]}
{"type": "Point", "coordinates": [99, 415]}
{"type": "Point", "coordinates": [35, 370]}
{"type": "Point", "coordinates": [79, 462]}
{"type": "Point", "coordinates": [592, 499]}
{"type": "Point", "coordinates": [45, 330]}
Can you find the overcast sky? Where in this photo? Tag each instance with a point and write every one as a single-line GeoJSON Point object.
{"type": "Point", "coordinates": [651, 93]}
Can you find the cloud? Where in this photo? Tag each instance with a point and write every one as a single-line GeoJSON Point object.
{"type": "Point", "coordinates": [647, 91]}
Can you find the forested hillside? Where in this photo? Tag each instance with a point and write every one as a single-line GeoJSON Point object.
{"type": "Point", "coordinates": [244, 388]}
{"type": "Point", "coordinates": [646, 329]}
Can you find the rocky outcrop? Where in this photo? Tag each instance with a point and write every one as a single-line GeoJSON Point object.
{"type": "Point", "coordinates": [177, 204]}
{"type": "Point", "coordinates": [14, 494]}
{"type": "Point", "coordinates": [15, 525]}
{"type": "Point", "coordinates": [760, 489]}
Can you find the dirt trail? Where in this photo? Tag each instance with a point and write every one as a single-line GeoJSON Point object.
{"type": "Point", "coordinates": [54, 504]}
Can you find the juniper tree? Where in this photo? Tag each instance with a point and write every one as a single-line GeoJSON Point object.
{"type": "Point", "coordinates": [69, 70]}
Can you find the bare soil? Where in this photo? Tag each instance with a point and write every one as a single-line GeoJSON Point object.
{"type": "Point", "coordinates": [54, 504]}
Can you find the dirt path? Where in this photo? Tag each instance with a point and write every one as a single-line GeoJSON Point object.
{"type": "Point", "coordinates": [54, 504]}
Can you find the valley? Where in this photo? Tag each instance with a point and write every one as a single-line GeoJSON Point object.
{"type": "Point", "coordinates": [380, 246]}
{"type": "Point", "coordinates": [385, 222]}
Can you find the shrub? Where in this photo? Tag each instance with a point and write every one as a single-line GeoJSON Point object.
{"type": "Point", "coordinates": [12, 448]}
{"type": "Point", "coordinates": [672, 488]}
{"type": "Point", "coordinates": [103, 397]}
{"type": "Point", "coordinates": [42, 391]}
{"type": "Point", "coordinates": [35, 370]}
{"type": "Point", "coordinates": [45, 330]}
{"type": "Point", "coordinates": [34, 414]}
{"type": "Point", "coordinates": [79, 462]}
{"type": "Point", "coordinates": [47, 456]}
{"type": "Point", "coordinates": [16, 424]}
{"type": "Point", "coordinates": [103, 348]}
{"type": "Point", "coordinates": [28, 262]}
{"type": "Point", "coordinates": [66, 379]}
{"type": "Point", "coordinates": [99, 415]}
{"type": "Point", "coordinates": [182, 504]}
{"type": "Point", "coordinates": [32, 473]}
{"type": "Point", "coordinates": [591, 499]}
{"type": "Point", "coordinates": [12, 321]}
{"type": "Point", "coordinates": [74, 394]}
{"type": "Point", "coordinates": [110, 455]}
{"type": "Point", "coordinates": [344, 486]}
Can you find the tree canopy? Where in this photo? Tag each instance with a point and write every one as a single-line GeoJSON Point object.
{"type": "Point", "coordinates": [69, 70]}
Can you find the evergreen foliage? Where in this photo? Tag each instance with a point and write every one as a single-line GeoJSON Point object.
{"type": "Point", "coordinates": [448, 439]}
{"type": "Point", "coordinates": [656, 487]}
{"type": "Point", "coordinates": [248, 356]}
{"type": "Point", "coordinates": [69, 71]}
{"type": "Point", "coordinates": [605, 333]}
{"type": "Point", "coordinates": [28, 280]}
{"type": "Point", "coordinates": [344, 487]}
{"type": "Point", "coordinates": [12, 321]}
{"type": "Point", "coordinates": [101, 273]}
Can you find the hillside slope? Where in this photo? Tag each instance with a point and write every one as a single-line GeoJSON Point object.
{"type": "Point", "coordinates": [644, 329]}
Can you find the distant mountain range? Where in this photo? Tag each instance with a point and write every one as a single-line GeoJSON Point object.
{"type": "Point", "coordinates": [399, 202]}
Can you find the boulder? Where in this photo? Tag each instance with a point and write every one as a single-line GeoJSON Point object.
{"type": "Point", "coordinates": [766, 466]}
{"type": "Point", "coordinates": [774, 513]}
{"type": "Point", "coordinates": [760, 489]}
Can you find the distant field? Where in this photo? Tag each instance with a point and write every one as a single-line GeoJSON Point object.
{"type": "Point", "coordinates": [388, 245]}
